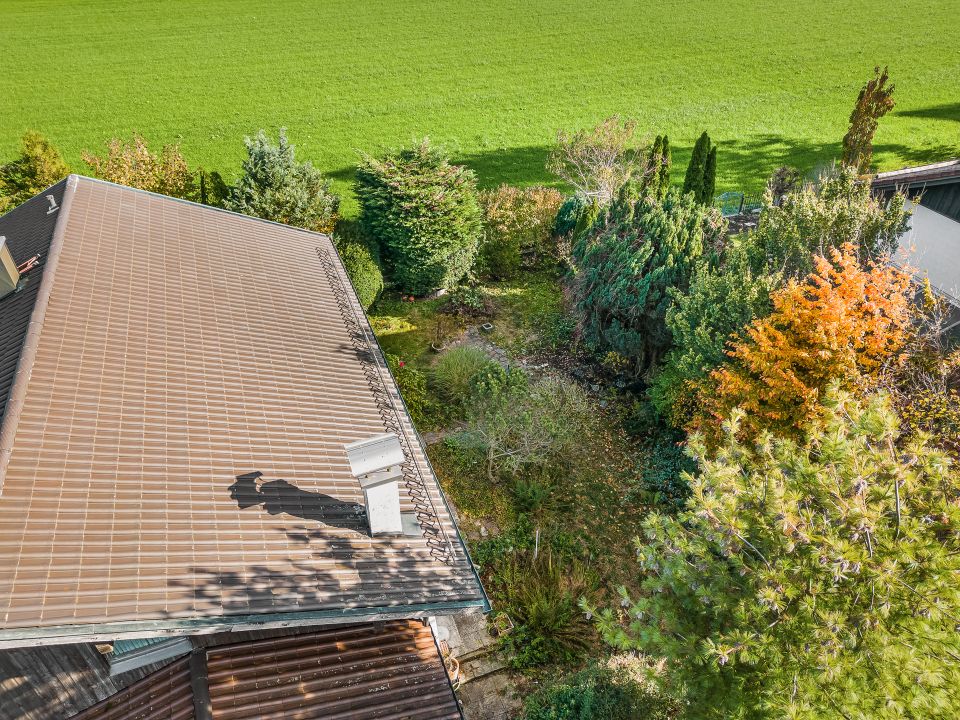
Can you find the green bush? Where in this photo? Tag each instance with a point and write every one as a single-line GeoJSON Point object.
{"type": "Point", "coordinates": [39, 166]}
{"type": "Point", "coordinates": [363, 271]}
{"type": "Point", "coordinates": [568, 215]}
{"type": "Point", "coordinates": [423, 213]}
{"type": "Point", "coordinates": [454, 374]}
{"type": "Point", "coordinates": [630, 265]}
{"type": "Point", "coordinates": [530, 426]}
{"type": "Point", "coordinates": [468, 301]}
{"type": "Point", "coordinates": [599, 693]}
{"type": "Point", "coordinates": [662, 479]}
{"type": "Point", "coordinates": [531, 494]}
{"type": "Point", "coordinates": [495, 380]}
{"type": "Point", "coordinates": [518, 225]}
{"type": "Point", "coordinates": [412, 384]}
{"type": "Point", "coordinates": [541, 595]}
{"type": "Point", "coordinates": [274, 186]}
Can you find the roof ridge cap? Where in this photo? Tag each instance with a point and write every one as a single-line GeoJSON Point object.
{"type": "Point", "coordinates": [192, 203]}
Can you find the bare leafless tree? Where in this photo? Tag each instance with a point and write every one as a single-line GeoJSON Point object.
{"type": "Point", "coordinates": [598, 161]}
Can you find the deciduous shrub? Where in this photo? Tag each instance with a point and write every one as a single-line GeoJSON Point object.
{"type": "Point", "coordinates": [925, 383]}
{"type": "Point", "coordinates": [39, 166]}
{"type": "Point", "coordinates": [424, 214]}
{"type": "Point", "coordinates": [131, 163]}
{"type": "Point", "coordinates": [530, 426]}
{"type": "Point", "coordinates": [599, 161]}
{"type": "Point", "coordinates": [843, 324]}
{"type": "Point", "coordinates": [836, 210]}
{"type": "Point", "coordinates": [518, 226]}
{"type": "Point", "coordinates": [468, 301]}
{"type": "Point", "coordinates": [363, 271]}
{"type": "Point", "coordinates": [806, 579]}
{"type": "Point", "coordinates": [274, 186]}
{"type": "Point", "coordinates": [627, 269]}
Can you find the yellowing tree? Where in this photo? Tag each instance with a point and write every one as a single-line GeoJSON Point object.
{"type": "Point", "coordinates": [842, 324]}
{"type": "Point", "coordinates": [132, 164]}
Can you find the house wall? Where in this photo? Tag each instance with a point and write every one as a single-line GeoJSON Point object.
{"type": "Point", "coordinates": [57, 682]}
{"type": "Point", "coordinates": [932, 249]}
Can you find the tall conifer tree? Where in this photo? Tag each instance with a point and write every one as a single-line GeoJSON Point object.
{"type": "Point", "coordinates": [693, 182]}
{"type": "Point", "coordinates": [709, 177]}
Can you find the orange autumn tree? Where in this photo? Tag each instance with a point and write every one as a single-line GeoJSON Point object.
{"type": "Point", "coordinates": [841, 324]}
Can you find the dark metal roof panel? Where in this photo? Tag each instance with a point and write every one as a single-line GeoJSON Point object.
{"type": "Point", "coordinates": [28, 229]}
{"type": "Point", "coordinates": [183, 350]}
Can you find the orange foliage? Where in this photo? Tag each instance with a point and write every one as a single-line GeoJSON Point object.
{"type": "Point", "coordinates": [843, 323]}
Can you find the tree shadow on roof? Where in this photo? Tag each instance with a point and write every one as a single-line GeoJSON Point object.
{"type": "Point", "coordinates": [280, 496]}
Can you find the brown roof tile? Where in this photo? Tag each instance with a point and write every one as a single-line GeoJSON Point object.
{"type": "Point", "coordinates": [181, 350]}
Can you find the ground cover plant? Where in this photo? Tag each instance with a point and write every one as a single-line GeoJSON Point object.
{"type": "Point", "coordinates": [491, 82]}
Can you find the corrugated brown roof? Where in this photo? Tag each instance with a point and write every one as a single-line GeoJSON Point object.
{"type": "Point", "coordinates": [163, 695]}
{"type": "Point", "coordinates": [391, 672]}
{"type": "Point", "coordinates": [181, 351]}
{"type": "Point", "coordinates": [388, 671]}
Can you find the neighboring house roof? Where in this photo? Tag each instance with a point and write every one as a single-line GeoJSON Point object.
{"type": "Point", "coordinates": [931, 247]}
{"type": "Point", "coordinates": [936, 186]}
{"type": "Point", "coordinates": [932, 174]}
{"type": "Point", "coordinates": [387, 671]}
{"type": "Point", "coordinates": [28, 229]}
{"type": "Point", "coordinates": [171, 451]}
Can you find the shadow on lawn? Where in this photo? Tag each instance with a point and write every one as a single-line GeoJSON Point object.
{"type": "Point", "coordinates": [946, 111]}
{"type": "Point", "coordinates": [743, 164]}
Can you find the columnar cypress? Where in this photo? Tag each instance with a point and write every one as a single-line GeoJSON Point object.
{"type": "Point", "coordinates": [656, 181]}
{"type": "Point", "coordinates": [693, 182]}
{"type": "Point", "coordinates": [709, 177]}
{"type": "Point", "coordinates": [664, 174]}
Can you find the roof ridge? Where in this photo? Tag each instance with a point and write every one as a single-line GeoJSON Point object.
{"type": "Point", "coordinates": [203, 206]}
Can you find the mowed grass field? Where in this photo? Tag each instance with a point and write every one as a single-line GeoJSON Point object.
{"type": "Point", "coordinates": [773, 82]}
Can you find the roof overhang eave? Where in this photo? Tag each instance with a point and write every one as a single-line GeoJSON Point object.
{"type": "Point", "coordinates": [102, 632]}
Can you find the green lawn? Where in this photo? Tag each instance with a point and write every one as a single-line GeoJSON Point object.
{"type": "Point", "coordinates": [772, 81]}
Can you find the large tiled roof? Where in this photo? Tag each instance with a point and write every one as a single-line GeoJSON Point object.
{"type": "Point", "coordinates": [390, 671]}
{"type": "Point", "coordinates": [171, 454]}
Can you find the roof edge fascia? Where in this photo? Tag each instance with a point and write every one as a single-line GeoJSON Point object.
{"type": "Point", "coordinates": [211, 208]}
{"type": "Point", "coordinates": [28, 353]}
{"type": "Point", "coordinates": [99, 632]}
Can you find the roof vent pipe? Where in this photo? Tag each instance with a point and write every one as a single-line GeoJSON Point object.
{"type": "Point", "coordinates": [376, 463]}
{"type": "Point", "coordinates": [9, 275]}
